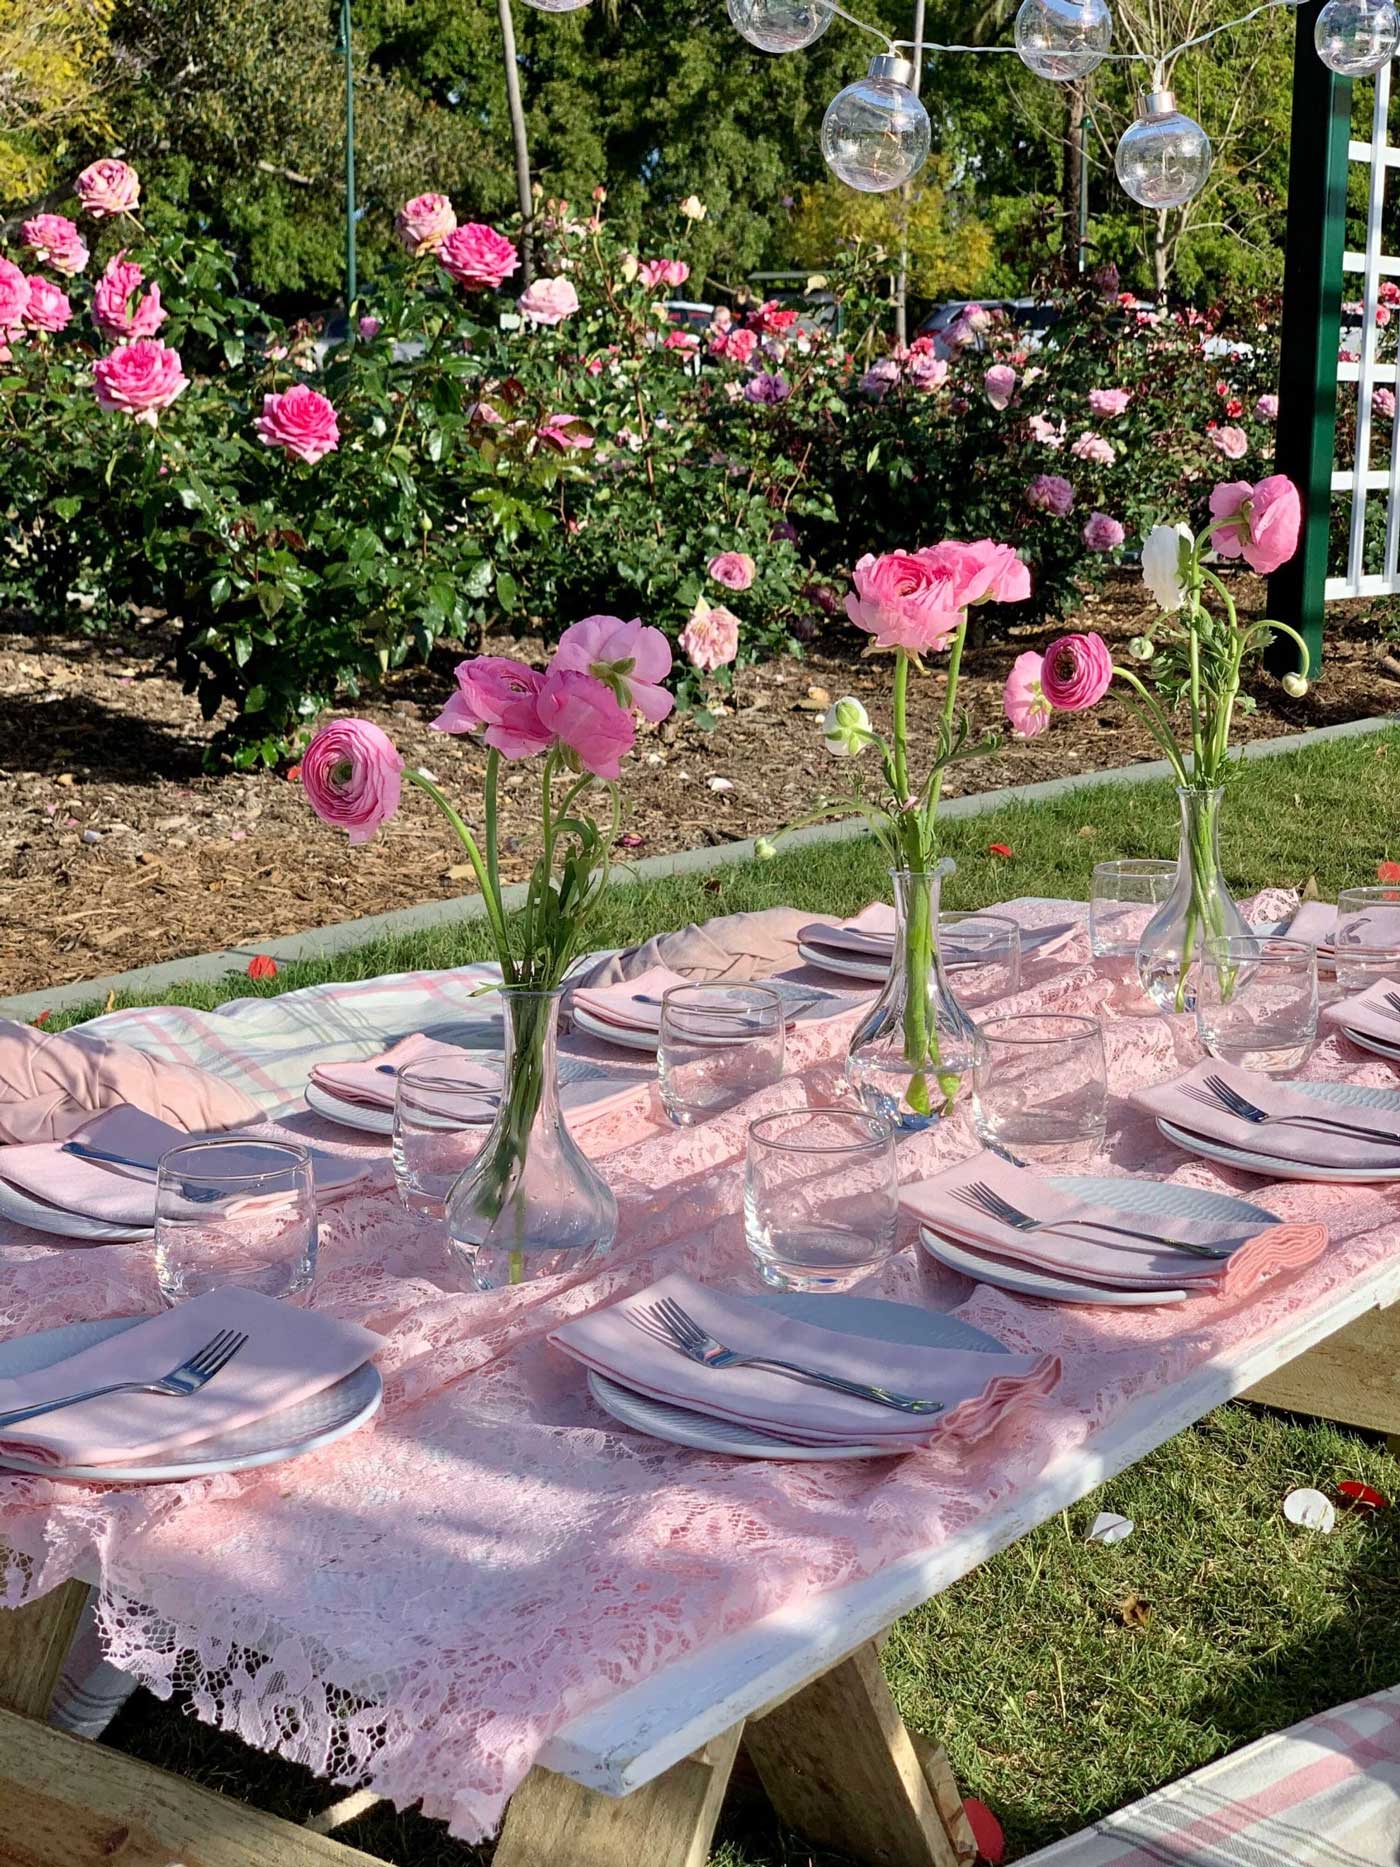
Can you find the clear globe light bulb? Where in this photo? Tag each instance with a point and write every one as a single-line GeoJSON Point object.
{"type": "Point", "coordinates": [1164, 158]}
{"type": "Point", "coordinates": [875, 133]}
{"type": "Point", "coordinates": [780, 25]}
{"type": "Point", "coordinates": [1063, 39]}
{"type": "Point", "coordinates": [556, 6]}
{"type": "Point", "coordinates": [1356, 36]}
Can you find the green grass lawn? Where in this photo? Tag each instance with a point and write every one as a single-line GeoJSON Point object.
{"type": "Point", "coordinates": [1054, 1711]}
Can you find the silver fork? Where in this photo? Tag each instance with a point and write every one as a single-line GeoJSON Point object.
{"type": "Point", "coordinates": [982, 1198]}
{"type": "Point", "coordinates": [188, 1378]}
{"type": "Point", "coordinates": [83, 1150]}
{"type": "Point", "coordinates": [668, 1322]}
{"type": "Point", "coordinates": [1219, 1095]}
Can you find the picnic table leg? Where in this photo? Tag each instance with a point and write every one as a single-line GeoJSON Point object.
{"type": "Point", "coordinates": [840, 1767]}
{"type": "Point", "coordinates": [34, 1643]}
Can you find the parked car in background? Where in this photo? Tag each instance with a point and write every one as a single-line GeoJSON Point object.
{"type": "Point", "coordinates": [1027, 316]}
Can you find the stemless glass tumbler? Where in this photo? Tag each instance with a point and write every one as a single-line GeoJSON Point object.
{"type": "Point", "coordinates": [1123, 898]}
{"type": "Point", "coordinates": [442, 1114]}
{"type": "Point", "coordinates": [1040, 1085]}
{"type": "Point", "coordinates": [719, 1043]}
{"type": "Point", "coordinates": [1256, 1003]}
{"type": "Point", "coordinates": [237, 1211]}
{"type": "Point", "coordinates": [821, 1197]}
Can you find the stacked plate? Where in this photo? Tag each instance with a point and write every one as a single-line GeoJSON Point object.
{"type": "Point", "coordinates": [629, 1014]}
{"type": "Point", "coordinates": [853, 950]}
{"type": "Point", "coordinates": [1283, 1130]}
{"type": "Point", "coordinates": [1371, 1020]}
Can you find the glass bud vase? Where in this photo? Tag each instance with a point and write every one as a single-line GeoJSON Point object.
{"type": "Point", "coordinates": [530, 1205]}
{"type": "Point", "coordinates": [1199, 908]}
{"type": "Point", "coordinates": [912, 1049]}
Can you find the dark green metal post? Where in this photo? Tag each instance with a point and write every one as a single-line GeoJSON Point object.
{"type": "Point", "coordinates": [352, 283]}
{"type": "Point", "coordinates": [1312, 306]}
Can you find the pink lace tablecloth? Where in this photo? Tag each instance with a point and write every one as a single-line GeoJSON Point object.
{"type": "Point", "coordinates": [421, 1606]}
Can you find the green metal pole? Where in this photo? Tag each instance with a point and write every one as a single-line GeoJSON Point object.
{"type": "Point", "coordinates": [352, 283]}
{"type": "Point", "coordinates": [1312, 315]}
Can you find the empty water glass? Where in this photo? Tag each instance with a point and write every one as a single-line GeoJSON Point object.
{"type": "Point", "coordinates": [821, 1197]}
{"type": "Point", "coordinates": [1124, 897]}
{"type": "Point", "coordinates": [442, 1112]}
{"type": "Point", "coordinates": [981, 955]}
{"type": "Point", "coordinates": [1367, 940]}
{"type": "Point", "coordinates": [719, 1043]}
{"type": "Point", "coordinates": [236, 1211]}
{"type": "Point", "coordinates": [1040, 1085]}
{"type": "Point", "coordinates": [1256, 1002]}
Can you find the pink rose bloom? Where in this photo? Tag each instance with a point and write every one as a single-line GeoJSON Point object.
{"type": "Point", "coordinates": [1266, 408]}
{"type": "Point", "coordinates": [565, 434]}
{"type": "Point", "coordinates": [1000, 384]}
{"type": "Point", "coordinates": [734, 569]}
{"type": "Point", "coordinates": [548, 301]}
{"type": "Point", "coordinates": [926, 371]}
{"type": "Point", "coordinates": [983, 572]}
{"type": "Point", "coordinates": [1046, 432]}
{"type": "Point", "coordinates": [1106, 402]}
{"type": "Point", "coordinates": [477, 257]}
{"type": "Point", "coordinates": [300, 421]}
{"type": "Point", "coordinates": [710, 637]}
{"type": "Point", "coordinates": [369, 328]}
{"type": "Point", "coordinates": [1094, 449]}
{"type": "Point", "coordinates": [905, 599]}
{"type": "Point", "coordinates": [682, 340]}
{"type": "Point", "coordinates": [1047, 492]}
{"type": "Point", "coordinates": [351, 773]}
{"type": "Point", "coordinates": [1102, 533]}
{"type": "Point", "coordinates": [499, 695]}
{"type": "Point", "coordinates": [1258, 523]}
{"type": "Point", "coordinates": [630, 660]}
{"type": "Point", "coordinates": [423, 223]}
{"type": "Point", "coordinates": [669, 272]}
{"type": "Point", "coordinates": [1233, 443]}
{"type": "Point", "coordinates": [108, 187]}
{"type": "Point", "coordinates": [139, 379]}
{"type": "Point", "coordinates": [879, 379]}
{"type": "Point", "coordinates": [117, 311]}
{"type": "Point", "coordinates": [1382, 400]}
{"type": "Point", "coordinates": [740, 347]}
{"type": "Point", "coordinates": [1024, 699]}
{"type": "Point", "coordinates": [48, 308]}
{"type": "Point", "coordinates": [54, 240]}
{"type": "Point", "coordinates": [1076, 672]}
{"type": "Point", "coordinates": [586, 721]}
{"type": "Point", "coordinates": [14, 296]}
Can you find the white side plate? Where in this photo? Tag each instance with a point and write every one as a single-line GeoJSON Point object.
{"type": "Point", "coordinates": [349, 1114]}
{"type": "Point", "coordinates": [1273, 1166]}
{"type": "Point", "coordinates": [75, 1227]}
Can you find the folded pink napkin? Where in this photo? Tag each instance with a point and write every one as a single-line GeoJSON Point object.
{"type": "Point", "coordinates": [869, 933]}
{"type": "Point", "coordinates": [127, 1195]}
{"type": "Point", "coordinates": [1315, 922]}
{"type": "Point", "coordinates": [1369, 1012]}
{"type": "Point", "coordinates": [1084, 1250]}
{"type": "Point", "coordinates": [1372, 927]}
{"type": "Point", "coordinates": [627, 1005]}
{"type": "Point", "coordinates": [290, 1353]}
{"type": "Point", "coordinates": [635, 1005]}
{"type": "Point", "coordinates": [976, 1388]}
{"type": "Point", "coordinates": [1300, 1139]}
{"type": "Point", "coordinates": [368, 1085]}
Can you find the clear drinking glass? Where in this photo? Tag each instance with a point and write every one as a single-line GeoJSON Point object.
{"type": "Point", "coordinates": [236, 1211]}
{"type": "Point", "coordinates": [821, 1197]}
{"type": "Point", "coordinates": [1124, 897]}
{"type": "Point", "coordinates": [442, 1114]}
{"type": "Point", "coordinates": [1367, 940]}
{"type": "Point", "coordinates": [719, 1043]}
{"type": "Point", "coordinates": [1256, 1002]}
{"type": "Point", "coordinates": [1040, 1085]}
{"type": "Point", "coordinates": [982, 956]}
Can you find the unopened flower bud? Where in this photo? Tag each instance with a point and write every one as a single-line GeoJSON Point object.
{"type": "Point", "coordinates": [1142, 648]}
{"type": "Point", "coordinates": [1295, 686]}
{"type": "Point", "coordinates": [763, 849]}
{"type": "Point", "coordinates": [846, 728]}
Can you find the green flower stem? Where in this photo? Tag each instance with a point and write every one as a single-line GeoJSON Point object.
{"type": "Point", "coordinates": [493, 864]}
{"type": "Point", "coordinates": [489, 894]}
{"type": "Point", "coordinates": [901, 734]}
{"type": "Point", "coordinates": [1157, 719]}
{"type": "Point", "coordinates": [1204, 917]}
{"type": "Point", "coordinates": [950, 707]}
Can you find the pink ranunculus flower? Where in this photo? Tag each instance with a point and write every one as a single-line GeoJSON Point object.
{"type": "Point", "coordinates": [55, 241]}
{"type": "Point", "coordinates": [1382, 400]}
{"type": "Point", "coordinates": [1102, 533]}
{"type": "Point", "coordinates": [300, 421]}
{"type": "Point", "coordinates": [1266, 408]}
{"type": "Point", "coordinates": [369, 328]}
{"type": "Point", "coordinates": [108, 187]}
{"type": "Point", "coordinates": [1047, 492]}
{"type": "Point", "coordinates": [905, 599]}
{"type": "Point", "coordinates": [1076, 672]}
{"type": "Point", "coordinates": [984, 572]}
{"type": "Point", "coordinates": [1094, 449]}
{"type": "Point", "coordinates": [139, 379]}
{"type": "Point", "coordinates": [668, 272]}
{"type": "Point", "coordinates": [48, 308]}
{"type": "Point", "coordinates": [352, 775]}
{"type": "Point", "coordinates": [548, 301]}
{"type": "Point", "coordinates": [1000, 384]}
{"type": "Point", "coordinates": [1104, 403]}
{"type": "Point", "coordinates": [1258, 523]}
{"type": "Point", "coordinates": [1024, 699]}
{"type": "Point", "coordinates": [477, 257]}
{"type": "Point", "coordinates": [565, 434]}
{"type": "Point", "coordinates": [499, 695]}
{"type": "Point", "coordinates": [423, 223]}
{"type": "Point", "coordinates": [585, 719]}
{"type": "Point", "coordinates": [1048, 433]}
{"type": "Point", "coordinates": [734, 569]}
{"type": "Point", "coordinates": [1232, 442]}
{"type": "Point", "coordinates": [14, 297]}
{"type": "Point", "coordinates": [710, 638]}
{"type": "Point", "coordinates": [926, 371]}
{"type": "Point", "coordinates": [118, 311]}
{"type": "Point", "coordinates": [629, 658]}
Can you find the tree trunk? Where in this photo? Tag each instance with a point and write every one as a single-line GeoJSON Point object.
{"type": "Point", "coordinates": [1074, 163]}
{"type": "Point", "coordinates": [1161, 252]}
{"type": "Point", "coordinates": [519, 138]}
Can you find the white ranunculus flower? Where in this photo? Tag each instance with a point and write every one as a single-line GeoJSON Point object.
{"type": "Point", "coordinates": [844, 728]}
{"type": "Point", "coordinates": [1161, 563]}
{"type": "Point", "coordinates": [693, 207]}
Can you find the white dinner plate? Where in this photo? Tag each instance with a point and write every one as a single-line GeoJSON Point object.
{"type": "Point", "coordinates": [355, 1115]}
{"type": "Point", "coordinates": [871, 1317]}
{"type": "Point", "coordinates": [76, 1227]}
{"type": "Point", "coordinates": [860, 966]}
{"type": "Point", "coordinates": [815, 1007]}
{"type": "Point", "coordinates": [1364, 1041]}
{"type": "Point", "coordinates": [844, 965]}
{"type": "Point", "coordinates": [317, 1421]}
{"type": "Point", "coordinates": [1146, 1198]}
{"type": "Point", "coordinates": [1272, 1166]}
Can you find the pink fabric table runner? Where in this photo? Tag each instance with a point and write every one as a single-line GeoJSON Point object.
{"type": "Point", "coordinates": [492, 1557]}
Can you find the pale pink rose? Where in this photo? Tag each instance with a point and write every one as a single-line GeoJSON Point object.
{"type": "Point", "coordinates": [1048, 433]}
{"type": "Point", "coordinates": [1233, 443]}
{"type": "Point", "coordinates": [710, 637]}
{"type": "Point", "coordinates": [1107, 402]}
{"type": "Point", "coordinates": [668, 272]}
{"type": "Point", "coordinates": [1382, 400]}
{"type": "Point", "coordinates": [984, 572]}
{"type": "Point", "coordinates": [1047, 492]}
{"type": "Point", "coordinates": [1102, 533]}
{"type": "Point", "coordinates": [423, 223]}
{"type": "Point", "coordinates": [499, 695]}
{"type": "Point", "coordinates": [477, 257]}
{"type": "Point", "coordinates": [14, 297]}
{"type": "Point", "coordinates": [627, 657]}
{"type": "Point", "coordinates": [1076, 672]}
{"type": "Point", "coordinates": [734, 569]}
{"type": "Point", "coordinates": [739, 347]}
{"type": "Point", "coordinates": [1094, 449]}
{"type": "Point", "coordinates": [1258, 523]}
{"type": "Point", "coordinates": [565, 434]}
{"type": "Point", "coordinates": [300, 421]}
{"type": "Point", "coordinates": [139, 379]}
{"type": "Point", "coordinates": [48, 308]}
{"type": "Point", "coordinates": [926, 371]}
{"type": "Point", "coordinates": [1024, 699]}
{"type": "Point", "coordinates": [905, 601]}
{"type": "Point", "coordinates": [548, 301]}
{"type": "Point", "coordinates": [1000, 384]}
{"type": "Point", "coordinates": [108, 187]}
{"type": "Point", "coordinates": [351, 774]}
{"type": "Point", "coordinates": [1266, 408]}
{"type": "Point", "coordinates": [586, 721]}
{"type": "Point", "coordinates": [54, 240]}
{"type": "Point", "coordinates": [117, 310]}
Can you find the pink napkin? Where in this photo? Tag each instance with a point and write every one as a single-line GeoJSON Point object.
{"type": "Point", "coordinates": [367, 1086]}
{"type": "Point", "coordinates": [1368, 1013]}
{"type": "Point", "coordinates": [1101, 1257]}
{"type": "Point", "coordinates": [1371, 927]}
{"type": "Point", "coordinates": [976, 1388]}
{"type": "Point", "coordinates": [1315, 922]}
{"type": "Point", "coordinates": [1292, 1140]}
{"type": "Point", "coordinates": [290, 1353]}
{"type": "Point", "coordinates": [126, 1196]}
{"type": "Point", "coordinates": [619, 1004]}
{"type": "Point", "coordinates": [869, 933]}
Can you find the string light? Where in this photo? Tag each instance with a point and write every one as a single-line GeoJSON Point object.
{"type": "Point", "coordinates": [1356, 36]}
{"type": "Point", "coordinates": [1164, 157]}
{"type": "Point", "coordinates": [1063, 39]}
{"type": "Point", "coordinates": [780, 25]}
{"type": "Point", "coordinates": [876, 133]}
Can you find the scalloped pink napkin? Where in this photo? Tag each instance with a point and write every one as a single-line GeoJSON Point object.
{"type": "Point", "coordinates": [367, 1084]}
{"type": "Point", "coordinates": [290, 1354]}
{"type": "Point", "coordinates": [1293, 1141]}
{"type": "Point", "coordinates": [1368, 1013]}
{"type": "Point", "coordinates": [975, 1387]}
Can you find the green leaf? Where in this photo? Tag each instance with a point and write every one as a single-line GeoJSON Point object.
{"type": "Point", "coordinates": [255, 700]}
{"type": "Point", "coordinates": [219, 591]}
{"type": "Point", "coordinates": [507, 591]}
